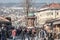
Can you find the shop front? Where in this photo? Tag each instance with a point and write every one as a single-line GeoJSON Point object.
{"type": "Point", "coordinates": [55, 27]}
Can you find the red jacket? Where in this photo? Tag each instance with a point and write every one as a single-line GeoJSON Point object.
{"type": "Point", "coordinates": [14, 32]}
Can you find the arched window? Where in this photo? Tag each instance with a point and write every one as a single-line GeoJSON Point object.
{"type": "Point", "coordinates": [57, 13]}
{"type": "Point", "coordinates": [49, 13]}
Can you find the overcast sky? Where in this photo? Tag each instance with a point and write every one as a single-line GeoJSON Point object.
{"type": "Point", "coordinates": [38, 1]}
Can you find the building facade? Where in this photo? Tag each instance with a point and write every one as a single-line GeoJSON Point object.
{"type": "Point", "coordinates": [51, 11]}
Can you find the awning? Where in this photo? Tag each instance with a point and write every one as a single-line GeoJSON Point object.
{"type": "Point", "coordinates": [56, 22]}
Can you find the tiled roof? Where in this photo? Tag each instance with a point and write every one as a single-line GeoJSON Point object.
{"type": "Point", "coordinates": [52, 5]}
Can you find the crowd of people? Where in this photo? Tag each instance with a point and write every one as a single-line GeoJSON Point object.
{"type": "Point", "coordinates": [11, 32]}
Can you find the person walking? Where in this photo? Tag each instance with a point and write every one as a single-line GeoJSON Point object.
{"type": "Point", "coordinates": [0, 32]}
{"type": "Point", "coordinates": [28, 34]}
{"type": "Point", "coordinates": [3, 33]}
{"type": "Point", "coordinates": [14, 33]}
{"type": "Point", "coordinates": [50, 36]}
{"type": "Point", "coordinates": [43, 34]}
{"type": "Point", "coordinates": [23, 34]}
{"type": "Point", "coordinates": [33, 34]}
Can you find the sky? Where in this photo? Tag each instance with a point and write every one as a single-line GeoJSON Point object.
{"type": "Point", "coordinates": [37, 1]}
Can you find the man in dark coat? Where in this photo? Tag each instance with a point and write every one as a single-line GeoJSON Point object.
{"type": "Point", "coordinates": [3, 33]}
{"type": "Point", "coordinates": [0, 35]}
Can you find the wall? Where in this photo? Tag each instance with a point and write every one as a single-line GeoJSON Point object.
{"type": "Point", "coordinates": [42, 16]}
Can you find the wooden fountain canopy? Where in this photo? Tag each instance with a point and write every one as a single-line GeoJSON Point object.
{"type": "Point", "coordinates": [4, 20]}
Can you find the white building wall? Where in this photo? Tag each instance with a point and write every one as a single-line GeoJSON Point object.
{"type": "Point", "coordinates": [58, 15]}
{"type": "Point", "coordinates": [47, 15]}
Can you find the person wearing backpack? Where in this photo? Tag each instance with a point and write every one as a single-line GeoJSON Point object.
{"type": "Point", "coordinates": [43, 34]}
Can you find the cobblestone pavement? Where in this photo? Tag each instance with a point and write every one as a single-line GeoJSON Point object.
{"type": "Point", "coordinates": [18, 38]}
{"type": "Point", "coordinates": [30, 39]}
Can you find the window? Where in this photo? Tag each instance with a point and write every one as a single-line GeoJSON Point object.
{"type": "Point", "coordinates": [57, 13]}
{"type": "Point", "coordinates": [49, 13]}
